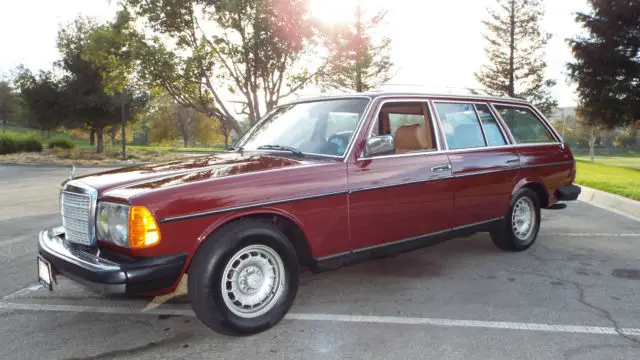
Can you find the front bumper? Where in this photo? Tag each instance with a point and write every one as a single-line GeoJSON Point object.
{"type": "Point", "coordinates": [106, 271]}
{"type": "Point", "coordinates": [568, 193]}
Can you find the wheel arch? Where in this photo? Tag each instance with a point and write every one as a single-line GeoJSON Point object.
{"type": "Point", "coordinates": [286, 222]}
{"type": "Point", "coordinates": [537, 186]}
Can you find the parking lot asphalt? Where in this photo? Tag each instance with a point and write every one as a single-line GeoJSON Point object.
{"type": "Point", "coordinates": [574, 295]}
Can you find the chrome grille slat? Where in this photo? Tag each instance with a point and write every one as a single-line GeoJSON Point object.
{"type": "Point", "coordinates": [76, 210]}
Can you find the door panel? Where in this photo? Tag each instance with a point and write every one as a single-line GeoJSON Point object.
{"type": "Point", "coordinates": [399, 197]}
{"type": "Point", "coordinates": [483, 182]}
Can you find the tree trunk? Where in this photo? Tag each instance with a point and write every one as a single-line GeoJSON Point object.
{"type": "Point", "coordinates": [635, 141]}
{"type": "Point", "coordinates": [99, 140]}
{"type": "Point", "coordinates": [112, 135]}
{"type": "Point", "coordinates": [512, 48]}
{"type": "Point", "coordinates": [4, 126]}
{"type": "Point", "coordinates": [592, 144]}
{"type": "Point", "coordinates": [124, 124]}
{"type": "Point", "coordinates": [359, 50]}
{"type": "Point", "coordinates": [184, 141]}
{"type": "Point", "coordinates": [92, 136]}
{"type": "Point", "coordinates": [226, 139]}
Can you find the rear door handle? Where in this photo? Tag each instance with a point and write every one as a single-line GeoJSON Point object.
{"type": "Point", "coordinates": [512, 161]}
{"type": "Point", "coordinates": [441, 168]}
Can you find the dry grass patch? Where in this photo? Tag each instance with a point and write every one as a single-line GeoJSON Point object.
{"type": "Point", "coordinates": [89, 157]}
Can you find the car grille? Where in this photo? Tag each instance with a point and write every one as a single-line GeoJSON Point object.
{"type": "Point", "coordinates": [76, 209]}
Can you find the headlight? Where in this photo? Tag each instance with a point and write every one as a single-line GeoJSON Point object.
{"type": "Point", "coordinates": [126, 226]}
{"type": "Point", "coordinates": [112, 223]}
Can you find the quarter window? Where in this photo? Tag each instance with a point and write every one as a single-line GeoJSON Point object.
{"type": "Point", "coordinates": [460, 126]}
{"type": "Point", "coordinates": [524, 125]}
{"type": "Point", "coordinates": [490, 125]}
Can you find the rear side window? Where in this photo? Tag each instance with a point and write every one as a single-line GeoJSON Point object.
{"type": "Point", "coordinates": [460, 125]}
{"type": "Point", "coordinates": [524, 125]}
{"type": "Point", "coordinates": [490, 125]}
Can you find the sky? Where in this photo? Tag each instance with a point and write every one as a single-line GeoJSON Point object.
{"type": "Point", "coordinates": [436, 44]}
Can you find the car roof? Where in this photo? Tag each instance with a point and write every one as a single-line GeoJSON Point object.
{"type": "Point", "coordinates": [380, 94]}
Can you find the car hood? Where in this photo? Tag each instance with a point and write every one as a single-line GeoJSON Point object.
{"type": "Point", "coordinates": [130, 181]}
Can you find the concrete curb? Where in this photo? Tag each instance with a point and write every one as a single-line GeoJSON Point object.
{"type": "Point", "coordinates": [612, 202]}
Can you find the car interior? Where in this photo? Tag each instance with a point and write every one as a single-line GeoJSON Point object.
{"type": "Point", "coordinates": [409, 124]}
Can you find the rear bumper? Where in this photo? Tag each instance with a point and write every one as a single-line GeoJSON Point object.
{"type": "Point", "coordinates": [106, 271]}
{"type": "Point", "coordinates": [568, 193]}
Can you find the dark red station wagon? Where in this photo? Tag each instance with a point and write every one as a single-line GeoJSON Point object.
{"type": "Point", "coordinates": [317, 183]}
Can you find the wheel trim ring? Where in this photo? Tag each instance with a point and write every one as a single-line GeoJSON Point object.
{"type": "Point", "coordinates": [523, 218]}
{"type": "Point", "coordinates": [260, 300]}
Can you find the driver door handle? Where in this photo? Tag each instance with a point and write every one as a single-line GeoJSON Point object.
{"type": "Point", "coordinates": [441, 168]}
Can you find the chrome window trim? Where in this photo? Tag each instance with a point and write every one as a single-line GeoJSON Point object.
{"type": "Point", "coordinates": [537, 115]}
{"type": "Point", "coordinates": [473, 103]}
{"type": "Point", "coordinates": [484, 133]}
{"type": "Point", "coordinates": [85, 189]}
{"type": "Point", "coordinates": [418, 100]}
{"type": "Point", "coordinates": [504, 137]}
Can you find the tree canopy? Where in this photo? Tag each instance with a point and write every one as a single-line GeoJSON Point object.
{"type": "Point", "coordinates": [515, 47]}
{"type": "Point", "coordinates": [199, 51]}
{"type": "Point", "coordinates": [357, 60]}
{"type": "Point", "coordinates": [607, 66]}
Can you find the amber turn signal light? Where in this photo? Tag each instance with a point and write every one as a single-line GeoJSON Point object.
{"type": "Point", "coordinates": [143, 228]}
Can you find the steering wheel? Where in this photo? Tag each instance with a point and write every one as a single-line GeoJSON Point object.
{"type": "Point", "coordinates": [337, 143]}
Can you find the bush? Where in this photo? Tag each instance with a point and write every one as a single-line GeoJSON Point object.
{"type": "Point", "coordinates": [29, 143]}
{"type": "Point", "coordinates": [61, 143]}
{"type": "Point", "coordinates": [7, 145]}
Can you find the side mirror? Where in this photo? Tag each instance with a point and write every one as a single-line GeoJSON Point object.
{"type": "Point", "coordinates": [379, 145]}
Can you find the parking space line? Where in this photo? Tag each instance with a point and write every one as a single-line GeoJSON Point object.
{"type": "Point", "coordinates": [576, 329]}
{"type": "Point", "coordinates": [592, 234]}
{"type": "Point", "coordinates": [21, 292]}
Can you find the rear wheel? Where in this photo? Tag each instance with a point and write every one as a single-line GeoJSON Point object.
{"type": "Point", "coordinates": [518, 230]}
{"type": "Point", "coordinates": [243, 279]}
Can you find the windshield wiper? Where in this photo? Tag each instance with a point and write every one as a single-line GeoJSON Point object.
{"type": "Point", "coordinates": [233, 148]}
{"type": "Point", "coordinates": [282, 147]}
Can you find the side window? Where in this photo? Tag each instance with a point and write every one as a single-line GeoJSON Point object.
{"type": "Point", "coordinates": [490, 125]}
{"type": "Point", "coordinates": [460, 125]}
{"type": "Point", "coordinates": [524, 124]}
{"type": "Point", "coordinates": [408, 124]}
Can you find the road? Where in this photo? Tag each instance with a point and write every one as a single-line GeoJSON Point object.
{"type": "Point", "coordinates": [574, 295]}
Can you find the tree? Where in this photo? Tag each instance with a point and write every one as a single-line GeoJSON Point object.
{"type": "Point", "coordinates": [111, 48]}
{"type": "Point", "coordinates": [516, 52]}
{"type": "Point", "coordinates": [198, 50]}
{"type": "Point", "coordinates": [92, 103]}
{"type": "Point", "coordinates": [8, 103]}
{"type": "Point", "coordinates": [357, 62]}
{"type": "Point", "coordinates": [607, 66]}
{"type": "Point", "coordinates": [44, 97]}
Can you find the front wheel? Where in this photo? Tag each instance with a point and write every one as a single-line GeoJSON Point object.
{"type": "Point", "coordinates": [244, 279]}
{"type": "Point", "coordinates": [519, 228]}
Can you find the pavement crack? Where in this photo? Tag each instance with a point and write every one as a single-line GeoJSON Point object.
{"type": "Point", "coordinates": [581, 299]}
{"type": "Point", "coordinates": [127, 353]}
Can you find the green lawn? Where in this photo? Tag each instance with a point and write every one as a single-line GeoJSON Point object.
{"type": "Point", "coordinates": [613, 179]}
{"type": "Point", "coordinates": [622, 161]}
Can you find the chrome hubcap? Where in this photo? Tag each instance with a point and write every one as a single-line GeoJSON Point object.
{"type": "Point", "coordinates": [253, 281]}
{"type": "Point", "coordinates": [523, 218]}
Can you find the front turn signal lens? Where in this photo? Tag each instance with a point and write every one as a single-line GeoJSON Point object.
{"type": "Point", "coordinates": [143, 228]}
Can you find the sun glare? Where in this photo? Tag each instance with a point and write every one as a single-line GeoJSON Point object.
{"type": "Point", "coordinates": [333, 11]}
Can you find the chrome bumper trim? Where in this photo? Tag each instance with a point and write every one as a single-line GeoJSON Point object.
{"type": "Point", "coordinates": [52, 242]}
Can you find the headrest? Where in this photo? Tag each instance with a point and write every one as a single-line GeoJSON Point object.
{"type": "Point", "coordinates": [411, 137]}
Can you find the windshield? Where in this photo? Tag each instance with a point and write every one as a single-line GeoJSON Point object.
{"type": "Point", "coordinates": [317, 127]}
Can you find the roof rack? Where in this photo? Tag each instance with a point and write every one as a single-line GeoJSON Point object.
{"type": "Point", "coordinates": [450, 90]}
